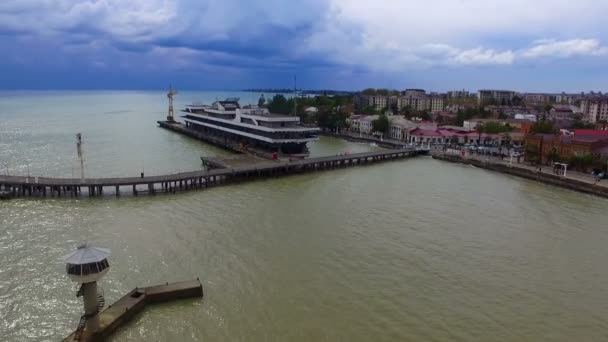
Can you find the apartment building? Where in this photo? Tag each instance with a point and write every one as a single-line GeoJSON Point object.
{"type": "Point", "coordinates": [595, 109]}
{"type": "Point", "coordinates": [499, 96]}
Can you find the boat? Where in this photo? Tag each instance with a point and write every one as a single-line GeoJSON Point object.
{"type": "Point", "coordinates": [251, 127]}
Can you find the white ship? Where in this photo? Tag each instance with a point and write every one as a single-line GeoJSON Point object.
{"type": "Point", "coordinates": [251, 126]}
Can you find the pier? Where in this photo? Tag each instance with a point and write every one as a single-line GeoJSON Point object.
{"type": "Point", "coordinates": [22, 186]}
{"type": "Point", "coordinates": [133, 303]}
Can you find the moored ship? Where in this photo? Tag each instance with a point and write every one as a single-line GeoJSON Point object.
{"type": "Point", "coordinates": [251, 126]}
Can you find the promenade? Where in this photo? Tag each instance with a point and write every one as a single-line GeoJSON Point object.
{"type": "Point", "coordinates": [574, 175]}
{"type": "Point", "coordinates": [572, 180]}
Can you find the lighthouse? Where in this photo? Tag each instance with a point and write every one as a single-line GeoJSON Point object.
{"type": "Point", "coordinates": [86, 266]}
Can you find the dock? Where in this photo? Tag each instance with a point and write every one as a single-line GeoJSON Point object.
{"type": "Point", "coordinates": [23, 186]}
{"type": "Point", "coordinates": [133, 303]}
{"type": "Point", "coordinates": [213, 140]}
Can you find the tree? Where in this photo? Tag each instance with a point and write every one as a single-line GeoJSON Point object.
{"type": "Point", "coordinates": [496, 127]}
{"type": "Point", "coordinates": [502, 115]}
{"type": "Point", "coordinates": [532, 152]}
{"type": "Point", "coordinates": [479, 128]}
{"type": "Point", "coordinates": [261, 101]}
{"type": "Point", "coordinates": [381, 124]}
{"type": "Point", "coordinates": [279, 105]}
{"type": "Point", "coordinates": [577, 122]}
{"type": "Point", "coordinates": [517, 101]}
{"type": "Point", "coordinates": [553, 156]}
{"type": "Point", "coordinates": [369, 91]}
{"type": "Point", "coordinates": [394, 108]}
{"type": "Point", "coordinates": [406, 111]}
{"type": "Point", "coordinates": [542, 127]}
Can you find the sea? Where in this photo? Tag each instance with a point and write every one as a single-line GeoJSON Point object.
{"type": "Point", "coordinates": [409, 250]}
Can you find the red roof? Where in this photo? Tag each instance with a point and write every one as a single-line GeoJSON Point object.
{"type": "Point", "coordinates": [425, 133]}
{"type": "Point", "coordinates": [592, 132]}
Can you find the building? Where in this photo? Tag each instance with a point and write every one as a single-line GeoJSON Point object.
{"type": "Point", "coordinates": [540, 147]}
{"type": "Point", "coordinates": [415, 92]}
{"type": "Point", "coordinates": [595, 109]}
{"type": "Point", "coordinates": [354, 122]}
{"type": "Point", "coordinates": [366, 124]}
{"type": "Point", "coordinates": [436, 103]}
{"type": "Point", "coordinates": [536, 99]}
{"type": "Point", "coordinates": [378, 102]}
{"type": "Point", "coordinates": [414, 102]}
{"type": "Point", "coordinates": [458, 94]}
{"type": "Point", "coordinates": [561, 112]}
{"type": "Point", "coordinates": [498, 96]}
{"type": "Point", "coordinates": [400, 127]}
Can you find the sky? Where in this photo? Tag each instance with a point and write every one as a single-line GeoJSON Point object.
{"type": "Point", "coordinates": [438, 45]}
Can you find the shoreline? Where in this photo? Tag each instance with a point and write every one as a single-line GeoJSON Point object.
{"type": "Point", "coordinates": [567, 183]}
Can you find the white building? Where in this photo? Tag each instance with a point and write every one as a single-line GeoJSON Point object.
{"type": "Point", "coordinates": [436, 103]}
{"type": "Point", "coordinates": [366, 124]}
{"type": "Point", "coordinates": [595, 109]}
{"type": "Point", "coordinates": [399, 127]}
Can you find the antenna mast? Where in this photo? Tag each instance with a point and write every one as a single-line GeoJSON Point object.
{"type": "Point", "coordinates": [295, 95]}
{"type": "Point", "coordinates": [80, 155]}
{"type": "Point", "coordinates": [170, 114]}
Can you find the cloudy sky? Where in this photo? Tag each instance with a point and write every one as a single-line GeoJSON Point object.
{"type": "Point", "coordinates": [540, 45]}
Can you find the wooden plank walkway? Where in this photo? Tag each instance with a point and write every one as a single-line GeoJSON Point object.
{"type": "Point", "coordinates": [22, 186]}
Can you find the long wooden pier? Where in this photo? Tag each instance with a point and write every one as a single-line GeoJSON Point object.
{"type": "Point", "coordinates": [21, 186]}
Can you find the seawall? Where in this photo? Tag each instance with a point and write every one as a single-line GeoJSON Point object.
{"type": "Point", "coordinates": [546, 178]}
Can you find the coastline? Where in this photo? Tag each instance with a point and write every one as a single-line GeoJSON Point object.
{"type": "Point", "coordinates": [567, 183]}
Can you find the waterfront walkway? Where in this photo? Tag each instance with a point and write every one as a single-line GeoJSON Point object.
{"type": "Point", "coordinates": [21, 186]}
{"type": "Point", "coordinates": [574, 181]}
{"type": "Point", "coordinates": [547, 170]}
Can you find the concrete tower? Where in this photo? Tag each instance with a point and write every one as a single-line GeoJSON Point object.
{"type": "Point", "coordinates": [86, 266]}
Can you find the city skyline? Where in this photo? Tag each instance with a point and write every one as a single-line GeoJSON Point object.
{"type": "Point", "coordinates": [346, 45]}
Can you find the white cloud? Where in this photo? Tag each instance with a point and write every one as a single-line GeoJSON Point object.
{"type": "Point", "coordinates": [565, 48]}
{"type": "Point", "coordinates": [480, 56]}
{"type": "Point", "coordinates": [448, 32]}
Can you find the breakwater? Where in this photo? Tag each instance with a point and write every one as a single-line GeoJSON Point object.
{"type": "Point", "coordinates": [133, 303]}
{"type": "Point", "coordinates": [568, 183]}
{"type": "Point", "coordinates": [21, 186]}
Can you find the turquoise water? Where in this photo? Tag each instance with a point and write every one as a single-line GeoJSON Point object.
{"type": "Point", "coordinates": [413, 250]}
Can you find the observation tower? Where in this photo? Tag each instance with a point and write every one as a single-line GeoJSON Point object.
{"type": "Point", "coordinates": [86, 266]}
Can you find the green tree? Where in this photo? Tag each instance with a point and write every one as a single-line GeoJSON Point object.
{"type": "Point", "coordinates": [577, 123]}
{"type": "Point", "coordinates": [261, 101]}
{"type": "Point", "coordinates": [553, 156]}
{"type": "Point", "coordinates": [279, 105]}
{"type": "Point", "coordinates": [517, 101]}
{"type": "Point", "coordinates": [406, 111]}
{"type": "Point", "coordinates": [369, 91]}
{"type": "Point", "coordinates": [381, 124]}
{"type": "Point", "coordinates": [394, 108]}
{"type": "Point", "coordinates": [479, 128]}
{"type": "Point", "coordinates": [542, 127]}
